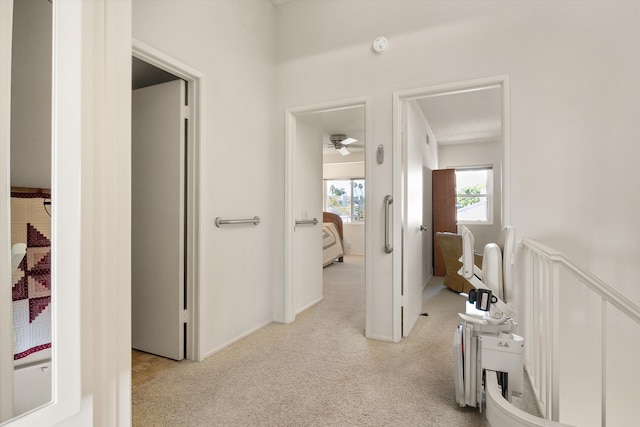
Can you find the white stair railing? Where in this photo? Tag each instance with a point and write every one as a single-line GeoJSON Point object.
{"type": "Point", "coordinates": [577, 330]}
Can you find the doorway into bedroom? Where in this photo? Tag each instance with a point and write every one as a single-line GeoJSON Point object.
{"type": "Point", "coordinates": [329, 185]}
{"type": "Point", "coordinates": [344, 202]}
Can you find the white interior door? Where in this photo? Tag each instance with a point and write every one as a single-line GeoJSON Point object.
{"type": "Point", "coordinates": [157, 223]}
{"type": "Point", "coordinates": [307, 205]}
{"type": "Point", "coordinates": [427, 220]}
{"type": "Point", "coordinates": [412, 257]}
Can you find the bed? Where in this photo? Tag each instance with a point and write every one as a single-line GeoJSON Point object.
{"type": "Point", "coordinates": [332, 238]}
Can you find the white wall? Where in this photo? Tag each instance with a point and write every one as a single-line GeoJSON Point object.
{"type": "Point", "coordinates": [353, 233]}
{"type": "Point", "coordinates": [343, 170]}
{"type": "Point", "coordinates": [479, 154]}
{"type": "Point", "coordinates": [233, 44]}
{"type": "Point", "coordinates": [31, 104]}
{"type": "Point", "coordinates": [574, 91]}
{"type": "Point", "coordinates": [307, 204]}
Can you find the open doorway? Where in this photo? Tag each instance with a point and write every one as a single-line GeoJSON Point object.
{"type": "Point", "coordinates": [158, 240]}
{"type": "Point", "coordinates": [327, 181]}
{"type": "Point", "coordinates": [467, 126]}
{"type": "Point", "coordinates": [464, 125]}
{"type": "Point", "coordinates": [164, 206]}
{"type": "Point", "coordinates": [344, 200]}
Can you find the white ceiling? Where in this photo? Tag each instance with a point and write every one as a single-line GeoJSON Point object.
{"type": "Point", "coordinates": [347, 121]}
{"type": "Point", "coordinates": [455, 118]}
{"type": "Point", "coordinates": [279, 2]}
{"type": "Point", "coordinates": [144, 74]}
{"type": "Point", "coordinates": [464, 117]}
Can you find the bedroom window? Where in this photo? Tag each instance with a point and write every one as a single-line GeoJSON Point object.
{"type": "Point", "coordinates": [345, 197]}
{"type": "Point", "coordinates": [474, 195]}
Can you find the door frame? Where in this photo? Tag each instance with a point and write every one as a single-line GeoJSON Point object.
{"type": "Point", "coordinates": [194, 81]}
{"type": "Point", "coordinates": [68, 220]}
{"type": "Point", "coordinates": [400, 98]}
{"type": "Point", "coordinates": [291, 114]}
{"type": "Point", "coordinates": [6, 318]}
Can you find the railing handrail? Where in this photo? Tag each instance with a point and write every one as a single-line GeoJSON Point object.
{"type": "Point", "coordinates": [605, 291]}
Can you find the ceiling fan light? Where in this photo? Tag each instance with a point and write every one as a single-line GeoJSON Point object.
{"type": "Point", "coordinates": [343, 151]}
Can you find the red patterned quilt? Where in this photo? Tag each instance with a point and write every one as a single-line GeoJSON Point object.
{"type": "Point", "coordinates": [31, 290]}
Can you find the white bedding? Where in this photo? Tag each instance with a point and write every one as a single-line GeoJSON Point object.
{"type": "Point", "coordinates": [37, 357]}
{"type": "Point", "coordinates": [331, 244]}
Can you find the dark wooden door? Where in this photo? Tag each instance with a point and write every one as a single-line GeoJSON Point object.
{"type": "Point", "coordinates": [444, 212]}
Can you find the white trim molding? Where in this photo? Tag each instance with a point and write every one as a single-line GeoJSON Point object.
{"type": "Point", "coordinates": [287, 313]}
{"type": "Point", "coordinates": [66, 213]}
{"type": "Point", "coordinates": [400, 98]}
{"type": "Point", "coordinates": [6, 318]}
{"type": "Point", "coordinates": [195, 83]}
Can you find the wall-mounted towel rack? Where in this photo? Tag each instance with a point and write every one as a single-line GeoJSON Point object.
{"type": "Point", "coordinates": [313, 221]}
{"type": "Point", "coordinates": [255, 221]}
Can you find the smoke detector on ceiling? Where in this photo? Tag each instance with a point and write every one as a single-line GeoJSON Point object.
{"type": "Point", "coordinates": [380, 44]}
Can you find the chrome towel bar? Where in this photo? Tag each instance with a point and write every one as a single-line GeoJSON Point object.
{"type": "Point", "coordinates": [255, 221]}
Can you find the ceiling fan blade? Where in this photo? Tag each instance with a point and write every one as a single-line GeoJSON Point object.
{"type": "Point", "coordinates": [343, 151]}
{"type": "Point", "coordinates": [348, 141]}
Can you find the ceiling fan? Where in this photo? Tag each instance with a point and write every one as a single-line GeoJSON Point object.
{"type": "Point", "coordinates": [340, 141]}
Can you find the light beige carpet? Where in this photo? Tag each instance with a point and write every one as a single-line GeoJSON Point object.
{"type": "Point", "coordinates": [320, 370]}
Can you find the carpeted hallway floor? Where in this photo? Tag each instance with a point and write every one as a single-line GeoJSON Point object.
{"type": "Point", "coordinates": [320, 370]}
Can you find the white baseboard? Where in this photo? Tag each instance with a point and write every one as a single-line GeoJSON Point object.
{"type": "Point", "coordinates": [234, 340]}
{"type": "Point", "coordinates": [309, 305]}
{"type": "Point", "coordinates": [380, 337]}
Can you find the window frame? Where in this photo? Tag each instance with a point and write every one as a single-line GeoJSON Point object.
{"type": "Point", "coordinates": [325, 183]}
{"type": "Point", "coordinates": [489, 195]}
